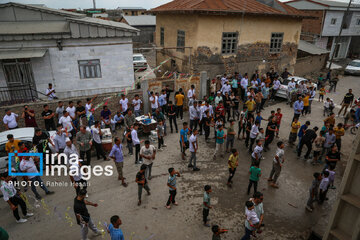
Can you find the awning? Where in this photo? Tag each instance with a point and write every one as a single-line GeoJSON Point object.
{"type": "Point", "coordinates": [13, 54]}
{"type": "Point", "coordinates": [311, 48]}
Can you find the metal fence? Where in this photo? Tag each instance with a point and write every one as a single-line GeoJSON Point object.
{"type": "Point", "coordinates": [17, 94]}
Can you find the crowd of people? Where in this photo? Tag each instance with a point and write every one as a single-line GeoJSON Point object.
{"type": "Point", "coordinates": [232, 98]}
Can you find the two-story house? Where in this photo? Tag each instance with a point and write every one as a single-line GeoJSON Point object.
{"type": "Point", "coordinates": [220, 36]}
{"type": "Point", "coordinates": [325, 28]}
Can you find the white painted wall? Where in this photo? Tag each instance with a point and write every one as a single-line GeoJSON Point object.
{"type": "Point", "coordinates": [333, 30]}
{"type": "Point", "coordinates": [61, 67]}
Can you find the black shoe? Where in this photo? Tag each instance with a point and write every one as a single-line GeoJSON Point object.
{"type": "Point", "coordinates": [190, 166]}
{"type": "Point", "coordinates": [177, 131]}
{"type": "Point", "coordinates": [148, 193]}
{"type": "Point", "coordinates": [38, 197]}
{"type": "Point", "coordinates": [196, 169]}
{"type": "Point", "coordinates": [49, 192]}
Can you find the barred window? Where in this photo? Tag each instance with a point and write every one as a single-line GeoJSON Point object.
{"type": "Point", "coordinates": [229, 42]}
{"type": "Point", "coordinates": [89, 68]}
{"type": "Point", "coordinates": [180, 40]}
{"type": "Point", "coordinates": [276, 42]}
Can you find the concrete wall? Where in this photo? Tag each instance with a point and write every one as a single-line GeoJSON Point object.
{"type": "Point", "coordinates": [309, 64]}
{"type": "Point", "coordinates": [61, 67]}
{"type": "Point", "coordinates": [113, 104]}
{"type": "Point", "coordinates": [333, 30]}
{"type": "Point", "coordinates": [204, 36]}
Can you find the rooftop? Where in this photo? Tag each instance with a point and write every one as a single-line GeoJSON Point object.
{"type": "Point", "coordinates": [258, 7]}
{"type": "Point", "coordinates": [142, 20]}
{"type": "Point", "coordinates": [131, 8]}
{"type": "Point", "coordinates": [311, 48]}
{"type": "Point", "coordinates": [325, 3]}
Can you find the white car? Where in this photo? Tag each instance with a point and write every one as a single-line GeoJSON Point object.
{"type": "Point", "coordinates": [353, 68]}
{"type": "Point", "coordinates": [283, 90]}
{"type": "Point", "coordinates": [139, 62]}
{"type": "Point", "coordinates": [23, 134]}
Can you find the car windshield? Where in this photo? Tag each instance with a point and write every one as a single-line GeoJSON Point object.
{"type": "Point", "coordinates": [354, 64]}
{"type": "Point", "coordinates": [286, 82]}
{"type": "Point", "coordinates": [138, 58]}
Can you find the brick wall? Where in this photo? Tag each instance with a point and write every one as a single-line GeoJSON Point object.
{"type": "Point", "coordinates": [113, 104]}
{"type": "Point", "coordinates": [310, 64]}
{"type": "Point", "coordinates": [313, 25]}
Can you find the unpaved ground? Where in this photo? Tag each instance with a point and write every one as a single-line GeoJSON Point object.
{"type": "Point", "coordinates": [285, 216]}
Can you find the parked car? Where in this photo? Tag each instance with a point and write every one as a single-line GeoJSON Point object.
{"type": "Point", "coordinates": [282, 92]}
{"type": "Point", "coordinates": [23, 134]}
{"type": "Point", "coordinates": [139, 62]}
{"type": "Point", "coordinates": [353, 68]}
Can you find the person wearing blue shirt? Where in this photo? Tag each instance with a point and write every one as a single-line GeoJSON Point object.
{"type": "Point", "coordinates": [265, 92]}
{"type": "Point", "coordinates": [184, 143]}
{"type": "Point", "coordinates": [357, 115]}
{"type": "Point", "coordinates": [220, 136]}
{"type": "Point", "coordinates": [114, 230]}
{"type": "Point", "coordinates": [302, 131]}
{"type": "Point", "coordinates": [298, 107]}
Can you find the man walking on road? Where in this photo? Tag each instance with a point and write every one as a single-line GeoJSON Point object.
{"type": "Point", "coordinates": [116, 154]}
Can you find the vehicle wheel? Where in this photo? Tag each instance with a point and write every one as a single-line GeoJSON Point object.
{"type": "Point", "coordinates": [353, 130]}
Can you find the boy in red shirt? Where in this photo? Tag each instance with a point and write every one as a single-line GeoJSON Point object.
{"type": "Point", "coordinates": [278, 116]}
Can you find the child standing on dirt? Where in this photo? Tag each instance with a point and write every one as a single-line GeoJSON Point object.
{"type": "Point", "coordinates": [232, 164]}
{"type": "Point", "coordinates": [206, 205]}
{"type": "Point", "coordinates": [172, 187]}
{"type": "Point", "coordinates": [129, 141]}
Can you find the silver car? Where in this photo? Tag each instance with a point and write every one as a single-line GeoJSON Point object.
{"type": "Point", "coordinates": [353, 68]}
{"type": "Point", "coordinates": [283, 90]}
{"type": "Point", "coordinates": [139, 62]}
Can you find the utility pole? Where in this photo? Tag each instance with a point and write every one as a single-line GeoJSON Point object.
{"type": "Point", "coordinates": [337, 39]}
{"type": "Point", "coordinates": [94, 4]}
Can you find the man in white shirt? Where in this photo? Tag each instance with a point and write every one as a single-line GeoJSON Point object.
{"type": "Point", "coordinates": [277, 164]}
{"type": "Point", "coordinates": [224, 80]}
{"type": "Point", "coordinates": [193, 147]}
{"type": "Point", "coordinates": [10, 120]}
{"type": "Point", "coordinates": [312, 96]}
{"type": "Point", "coordinates": [50, 92]}
{"type": "Point", "coordinates": [148, 153]}
{"type": "Point", "coordinates": [124, 103]}
{"type": "Point", "coordinates": [12, 198]}
{"type": "Point", "coordinates": [67, 124]}
{"type": "Point", "coordinates": [194, 116]}
{"type": "Point", "coordinates": [70, 150]}
{"type": "Point", "coordinates": [244, 84]}
{"type": "Point", "coordinates": [96, 133]}
{"type": "Point", "coordinates": [257, 153]}
{"type": "Point", "coordinates": [253, 134]}
{"type": "Point", "coordinates": [71, 109]}
{"type": "Point", "coordinates": [136, 103]}
{"type": "Point", "coordinates": [276, 87]}
{"type": "Point", "coordinates": [88, 110]}
{"type": "Point", "coordinates": [226, 88]}
{"type": "Point", "coordinates": [154, 101]}
{"type": "Point", "coordinates": [136, 143]}
{"type": "Point", "coordinates": [60, 139]}
{"type": "Point", "coordinates": [291, 87]}
{"type": "Point", "coordinates": [27, 165]}
{"type": "Point", "coordinates": [218, 99]}
{"type": "Point", "coordinates": [191, 93]}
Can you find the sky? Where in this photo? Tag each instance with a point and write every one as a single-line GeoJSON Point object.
{"type": "Point", "coordinates": [109, 4]}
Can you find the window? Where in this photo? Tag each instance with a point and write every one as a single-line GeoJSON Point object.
{"type": "Point", "coordinates": [276, 42]}
{"type": "Point", "coordinates": [229, 42]}
{"type": "Point", "coordinates": [162, 36]}
{"type": "Point", "coordinates": [333, 21]}
{"type": "Point", "coordinates": [89, 68]}
{"type": "Point", "coordinates": [358, 21]}
{"type": "Point", "coordinates": [180, 40]}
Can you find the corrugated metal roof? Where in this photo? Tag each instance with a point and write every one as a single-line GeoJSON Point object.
{"type": "Point", "coordinates": [311, 48]}
{"type": "Point", "coordinates": [35, 27]}
{"type": "Point", "coordinates": [142, 20]}
{"type": "Point", "coordinates": [229, 6]}
{"type": "Point", "coordinates": [43, 9]}
{"type": "Point", "coordinates": [29, 53]}
{"type": "Point", "coordinates": [105, 23]}
{"type": "Point", "coordinates": [131, 8]}
{"type": "Point", "coordinates": [326, 3]}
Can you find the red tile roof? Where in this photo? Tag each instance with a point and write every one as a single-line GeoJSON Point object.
{"type": "Point", "coordinates": [228, 7]}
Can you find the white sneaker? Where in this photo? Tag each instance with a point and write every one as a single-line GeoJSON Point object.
{"type": "Point", "coordinates": [86, 195]}
{"type": "Point", "coordinates": [100, 232]}
{"type": "Point", "coordinates": [164, 145]}
{"type": "Point", "coordinates": [160, 149]}
{"type": "Point", "coordinates": [29, 215]}
{"type": "Point", "coordinates": [21, 220]}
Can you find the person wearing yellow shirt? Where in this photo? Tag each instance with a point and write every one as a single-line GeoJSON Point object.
{"type": "Point", "coordinates": [293, 132]}
{"type": "Point", "coordinates": [179, 103]}
{"type": "Point", "coordinates": [306, 104]}
{"type": "Point", "coordinates": [12, 144]}
{"type": "Point", "coordinates": [322, 93]}
{"type": "Point", "coordinates": [232, 163]}
{"type": "Point", "coordinates": [339, 132]}
{"type": "Point", "coordinates": [250, 104]}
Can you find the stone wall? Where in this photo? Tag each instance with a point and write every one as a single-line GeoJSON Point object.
{"type": "Point", "coordinates": [113, 104]}
{"type": "Point", "coordinates": [310, 64]}
{"type": "Point", "coordinates": [250, 57]}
